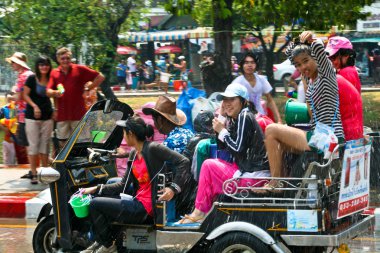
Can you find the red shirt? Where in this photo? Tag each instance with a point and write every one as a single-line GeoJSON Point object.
{"type": "Point", "coordinates": [71, 104]}
{"type": "Point", "coordinates": [144, 193]}
{"type": "Point", "coordinates": [351, 109]}
{"type": "Point", "coordinates": [351, 74]}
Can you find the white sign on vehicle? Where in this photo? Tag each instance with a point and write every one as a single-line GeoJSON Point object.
{"type": "Point", "coordinates": [354, 184]}
{"type": "Point", "coordinates": [302, 220]}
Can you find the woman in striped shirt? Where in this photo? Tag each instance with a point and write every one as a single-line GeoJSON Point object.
{"type": "Point", "coordinates": [321, 96]}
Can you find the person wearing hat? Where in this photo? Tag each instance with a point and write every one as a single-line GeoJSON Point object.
{"type": "Point", "coordinates": [342, 56]}
{"type": "Point", "coordinates": [244, 139]}
{"type": "Point", "coordinates": [169, 121]}
{"type": "Point", "coordinates": [181, 66]}
{"type": "Point", "coordinates": [146, 161]}
{"type": "Point", "coordinates": [18, 63]}
{"type": "Point", "coordinates": [77, 81]}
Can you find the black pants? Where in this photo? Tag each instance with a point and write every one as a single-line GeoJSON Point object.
{"type": "Point", "coordinates": [104, 211]}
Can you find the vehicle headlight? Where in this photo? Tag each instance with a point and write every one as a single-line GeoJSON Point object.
{"type": "Point", "coordinates": [48, 175]}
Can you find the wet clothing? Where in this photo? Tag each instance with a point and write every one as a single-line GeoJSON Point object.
{"type": "Point", "coordinates": [71, 105]}
{"type": "Point", "coordinates": [322, 94]}
{"type": "Point", "coordinates": [351, 74]}
{"type": "Point", "coordinates": [261, 88]}
{"type": "Point", "coordinates": [351, 109]}
{"type": "Point", "coordinates": [245, 140]}
{"type": "Point", "coordinates": [104, 211]}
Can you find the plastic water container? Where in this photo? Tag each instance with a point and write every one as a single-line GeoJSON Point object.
{"type": "Point", "coordinates": [80, 205]}
{"type": "Point", "coordinates": [296, 112]}
{"type": "Point", "coordinates": [312, 194]}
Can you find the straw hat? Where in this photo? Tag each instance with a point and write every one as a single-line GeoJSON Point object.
{"type": "Point", "coordinates": [166, 106]}
{"type": "Point", "coordinates": [18, 58]}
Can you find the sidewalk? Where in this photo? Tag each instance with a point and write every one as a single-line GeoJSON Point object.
{"type": "Point", "coordinates": [18, 195]}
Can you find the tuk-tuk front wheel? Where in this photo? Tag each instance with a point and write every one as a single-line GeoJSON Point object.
{"type": "Point", "coordinates": [239, 242]}
{"type": "Point", "coordinates": [45, 236]}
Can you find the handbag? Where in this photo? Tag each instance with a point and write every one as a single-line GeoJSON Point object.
{"type": "Point", "coordinates": [323, 134]}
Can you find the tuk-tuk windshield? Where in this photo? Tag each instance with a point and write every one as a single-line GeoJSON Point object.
{"type": "Point", "coordinates": [98, 126]}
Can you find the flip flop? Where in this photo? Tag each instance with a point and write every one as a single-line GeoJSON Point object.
{"type": "Point", "coordinates": [197, 219]}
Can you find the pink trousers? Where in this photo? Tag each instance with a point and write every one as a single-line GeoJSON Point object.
{"type": "Point", "coordinates": [213, 174]}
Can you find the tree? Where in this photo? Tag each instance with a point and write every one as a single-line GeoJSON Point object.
{"type": "Point", "coordinates": [253, 16]}
{"type": "Point", "coordinates": [90, 27]}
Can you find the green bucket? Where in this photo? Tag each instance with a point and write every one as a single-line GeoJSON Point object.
{"type": "Point", "coordinates": [98, 136]}
{"type": "Point", "coordinates": [80, 205]}
{"type": "Point", "coordinates": [296, 112]}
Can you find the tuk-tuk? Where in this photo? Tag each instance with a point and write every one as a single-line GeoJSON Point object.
{"type": "Point", "coordinates": [319, 205]}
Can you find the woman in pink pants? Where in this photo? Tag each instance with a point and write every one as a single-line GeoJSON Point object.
{"type": "Point", "coordinates": [243, 138]}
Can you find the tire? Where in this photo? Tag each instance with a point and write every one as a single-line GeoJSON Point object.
{"type": "Point", "coordinates": [44, 237]}
{"type": "Point", "coordinates": [239, 242]}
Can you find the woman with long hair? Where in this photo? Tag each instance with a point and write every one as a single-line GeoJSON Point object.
{"type": "Point", "coordinates": [39, 115]}
{"type": "Point", "coordinates": [147, 160]}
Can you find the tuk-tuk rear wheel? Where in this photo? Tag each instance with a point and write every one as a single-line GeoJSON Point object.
{"type": "Point", "coordinates": [239, 242]}
{"type": "Point", "coordinates": [44, 237]}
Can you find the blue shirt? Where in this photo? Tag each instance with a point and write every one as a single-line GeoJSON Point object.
{"type": "Point", "coordinates": [178, 138]}
{"type": "Point", "coordinates": [121, 72]}
{"type": "Point", "coordinates": [161, 65]}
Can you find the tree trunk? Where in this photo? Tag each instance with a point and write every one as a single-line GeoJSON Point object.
{"type": "Point", "coordinates": [217, 76]}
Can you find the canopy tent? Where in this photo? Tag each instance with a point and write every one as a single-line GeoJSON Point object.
{"type": "Point", "coordinates": [366, 40]}
{"type": "Point", "coordinates": [127, 50]}
{"type": "Point", "coordinates": [170, 49]}
{"type": "Point", "coordinates": [200, 32]}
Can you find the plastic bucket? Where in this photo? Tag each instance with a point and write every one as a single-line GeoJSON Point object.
{"type": "Point", "coordinates": [135, 81]}
{"type": "Point", "coordinates": [164, 77]}
{"type": "Point", "coordinates": [296, 112]}
{"type": "Point", "coordinates": [98, 136]}
{"type": "Point", "coordinates": [178, 85]}
{"type": "Point", "coordinates": [80, 205]}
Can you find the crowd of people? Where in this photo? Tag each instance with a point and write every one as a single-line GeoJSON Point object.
{"type": "Point", "coordinates": [67, 86]}
{"type": "Point", "coordinates": [136, 75]}
{"type": "Point", "coordinates": [252, 152]}
{"type": "Point", "coordinates": [247, 148]}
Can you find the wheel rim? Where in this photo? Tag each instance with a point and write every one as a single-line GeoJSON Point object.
{"type": "Point", "coordinates": [49, 239]}
{"type": "Point", "coordinates": [235, 248]}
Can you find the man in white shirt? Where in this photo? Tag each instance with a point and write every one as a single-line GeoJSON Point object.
{"type": "Point", "coordinates": [131, 63]}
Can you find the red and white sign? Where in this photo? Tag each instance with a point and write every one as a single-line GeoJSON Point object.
{"type": "Point", "coordinates": [354, 185]}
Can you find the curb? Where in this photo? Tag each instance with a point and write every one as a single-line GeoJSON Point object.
{"type": "Point", "coordinates": [22, 205]}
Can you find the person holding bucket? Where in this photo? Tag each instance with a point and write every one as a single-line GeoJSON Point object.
{"type": "Point", "coordinates": [244, 139]}
{"type": "Point", "coordinates": [146, 161]}
{"type": "Point", "coordinates": [322, 97]}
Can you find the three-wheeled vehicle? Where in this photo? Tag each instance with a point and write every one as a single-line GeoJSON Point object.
{"type": "Point", "coordinates": [318, 206]}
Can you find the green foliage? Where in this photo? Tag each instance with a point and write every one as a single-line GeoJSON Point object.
{"type": "Point", "coordinates": [45, 25]}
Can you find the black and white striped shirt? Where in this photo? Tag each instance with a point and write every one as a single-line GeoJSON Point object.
{"type": "Point", "coordinates": [322, 94]}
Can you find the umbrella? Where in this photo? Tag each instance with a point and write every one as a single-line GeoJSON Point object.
{"type": "Point", "coordinates": [170, 49]}
{"type": "Point", "coordinates": [127, 50]}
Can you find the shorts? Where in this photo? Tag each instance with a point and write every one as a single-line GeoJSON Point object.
{"type": "Point", "coordinates": [21, 138]}
{"type": "Point", "coordinates": [38, 133]}
{"type": "Point", "coordinates": [65, 128]}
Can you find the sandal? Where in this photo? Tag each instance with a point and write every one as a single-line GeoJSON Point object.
{"type": "Point", "coordinates": [34, 179]}
{"type": "Point", "coordinates": [186, 218]}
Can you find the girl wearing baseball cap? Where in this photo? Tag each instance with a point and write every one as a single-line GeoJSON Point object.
{"type": "Point", "coordinates": [244, 139]}
{"type": "Point", "coordinates": [342, 56]}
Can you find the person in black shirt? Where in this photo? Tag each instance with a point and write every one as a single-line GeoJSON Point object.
{"type": "Point", "coordinates": [38, 115]}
